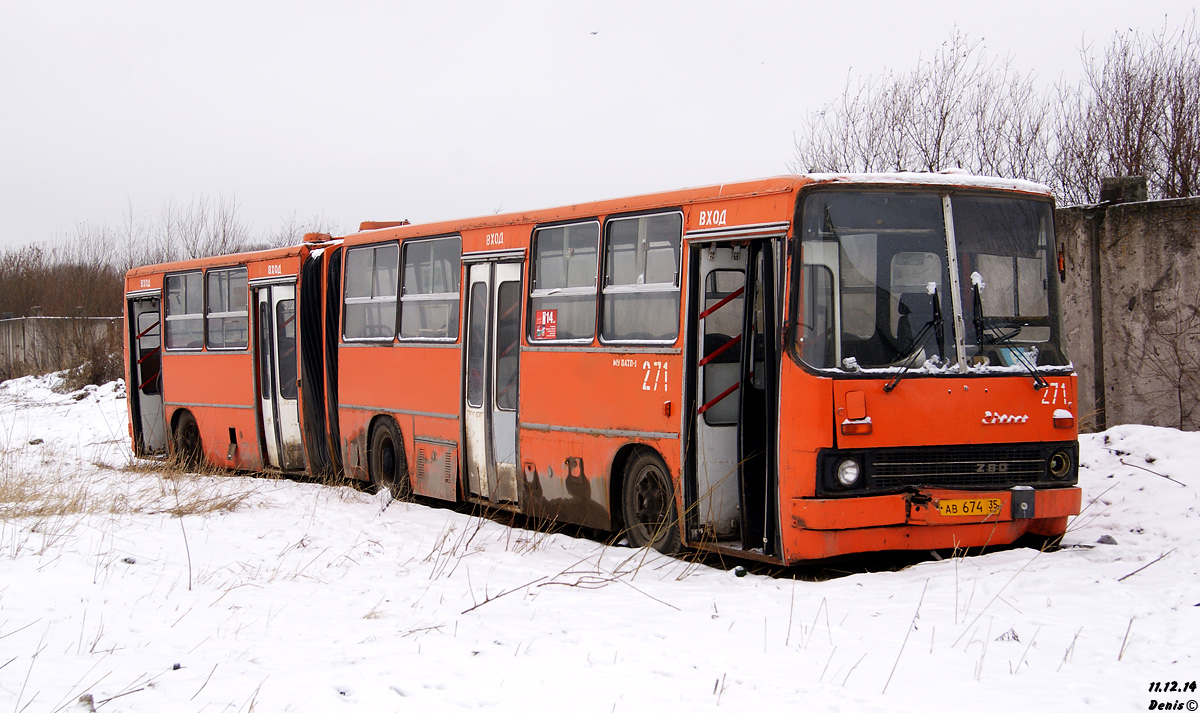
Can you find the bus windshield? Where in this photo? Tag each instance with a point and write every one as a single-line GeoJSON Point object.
{"type": "Point", "coordinates": [876, 285]}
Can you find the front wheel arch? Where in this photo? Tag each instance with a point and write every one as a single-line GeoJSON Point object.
{"type": "Point", "coordinates": [187, 446]}
{"type": "Point", "coordinates": [647, 501]}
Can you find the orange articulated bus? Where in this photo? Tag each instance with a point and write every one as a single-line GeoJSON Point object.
{"type": "Point", "coordinates": [785, 370]}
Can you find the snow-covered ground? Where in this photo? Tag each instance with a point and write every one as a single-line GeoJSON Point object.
{"type": "Point", "coordinates": [273, 595]}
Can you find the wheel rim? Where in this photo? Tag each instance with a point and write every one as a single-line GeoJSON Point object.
{"type": "Point", "coordinates": [189, 442]}
{"type": "Point", "coordinates": [387, 461]}
{"type": "Point", "coordinates": [650, 501]}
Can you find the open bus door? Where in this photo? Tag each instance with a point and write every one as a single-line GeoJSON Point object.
{"type": "Point", "coordinates": [493, 343]}
{"type": "Point", "coordinates": [145, 374]}
{"type": "Point", "coordinates": [278, 385]}
{"type": "Point", "coordinates": [730, 485]}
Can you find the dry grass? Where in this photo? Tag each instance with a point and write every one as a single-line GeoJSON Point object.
{"type": "Point", "coordinates": [47, 491]}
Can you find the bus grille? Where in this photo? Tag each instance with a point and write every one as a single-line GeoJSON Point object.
{"type": "Point", "coordinates": [958, 467]}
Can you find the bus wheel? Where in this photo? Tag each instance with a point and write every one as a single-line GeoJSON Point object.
{"type": "Point", "coordinates": [188, 449]}
{"type": "Point", "coordinates": [387, 465]}
{"type": "Point", "coordinates": [648, 504]}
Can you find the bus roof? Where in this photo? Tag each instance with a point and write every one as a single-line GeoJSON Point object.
{"type": "Point", "coordinates": [232, 258]}
{"type": "Point", "coordinates": [686, 196]}
{"type": "Point", "coordinates": [943, 178]}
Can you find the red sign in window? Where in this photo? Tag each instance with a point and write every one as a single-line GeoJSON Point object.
{"type": "Point", "coordinates": [545, 324]}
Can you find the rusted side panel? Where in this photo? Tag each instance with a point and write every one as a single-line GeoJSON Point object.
{"type": "Point", "coordinates": [354, 443]}
{"type": "Point", "coordinates": [565, 477]}
{"type": "Point", "coordinates": [418, 385]}
{"type": "Point", "coordinates": [218, 389]}
{"type": "Point", "coordinates": [214, 424]}
{"type": "Point", "coordinates": [578, 409]}
{"type": "Point", "coordinates": [435, 468]}
{"type": "Point", "coordinates": [445, 433]}
{"type": "Point", "coordinates": [569, 477]}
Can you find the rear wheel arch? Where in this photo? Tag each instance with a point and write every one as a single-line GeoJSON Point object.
{"type": "Point", "coordinates": [616, 482]}
{"type": "Point", "coordinates": [645, 503]}
{"type": "Point", "coordinates": [186, 443]}
{"type": "Point", "coordinates": [387, 459]}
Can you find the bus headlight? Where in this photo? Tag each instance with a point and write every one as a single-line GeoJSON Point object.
{"type": "Point", "coordinates": [1060, 465]}
{"type": "Point", "coordinates": [848, 473]}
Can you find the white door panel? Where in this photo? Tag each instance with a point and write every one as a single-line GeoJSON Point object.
{"type": "Point", "coordinates": [721, 311]}
{"type": "Point", "coordinates": [493, 330]}
{"type": "Point", "coordinates": [278, 360]}
{"type": "Point", "coordinates": [146, 372]}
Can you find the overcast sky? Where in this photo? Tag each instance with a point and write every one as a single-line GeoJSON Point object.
{"type": "Point", "coordinates": [430, 110]}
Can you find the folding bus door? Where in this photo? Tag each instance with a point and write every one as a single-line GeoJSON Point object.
{"type": "Point", "coordinates": [278, 383]}
{"type": "Point", "coordinates": [731, 489]}
{"type": "Point", "coordinates": [493, 351]}
{"type": "Point", "coordinates": [758, 413]}
{"type": "Point", "coordinates": [145, 372]}
{"type": "Point", "coordinates": [721, 309]}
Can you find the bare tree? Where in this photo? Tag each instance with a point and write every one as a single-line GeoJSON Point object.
{"type": "Point", "coordinates": [202, 228]}
{"type": "Point", "coordinates": [1106, 126]}
{"type": "Point", "coordinates": [959, 109]}
{"type": "Point", "coordinates": [133, 239]}
{"type": "Point", "coordinates": [80, 277]}
{"type": "Point", "coordinates": [1012, 121]}
{"type": "Point", "coordinates": [293, 229]}
{"type": "Point", "coordinates": [1135, 112]}
{"type": "Point", "coordinates": [1179, 134]}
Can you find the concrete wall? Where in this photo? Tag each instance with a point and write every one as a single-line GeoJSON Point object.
{"type": "Point", "coordinates": [37, 345]}
{"type": "Point", "coordinates": [1131, 304]}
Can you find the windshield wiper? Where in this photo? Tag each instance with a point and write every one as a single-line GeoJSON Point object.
{"type": "Point", "coordinates": [1000, 337]}
{"type": "Point", "coordinates": [936, 324]}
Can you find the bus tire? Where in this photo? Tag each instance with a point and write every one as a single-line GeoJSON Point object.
{"type": "Point", "coordinates": [648, 503]}
{"type": "Point", "coordinates": [386, 463]}
{"type": "Point", "coordinates": [189, 450]}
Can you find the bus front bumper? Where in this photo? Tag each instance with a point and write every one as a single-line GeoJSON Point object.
{"type": "Point", "coordinates": [924, 520]}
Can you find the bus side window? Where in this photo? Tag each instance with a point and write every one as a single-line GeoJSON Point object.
{"type": "Point", "coordinates": [641, 278]}
{"type": "Point", "coordinates": [817, 340]}
{"type": "Point", "coordinates": [430, 293]}
{"type": "Point", "coordinates": [563, 293]}
{"type": "Point", "coordinates": [370, 292]}
{"type": "Point", "coordinates": [185, 311]}
{"type": "Point", "coordinates": [227, 314]}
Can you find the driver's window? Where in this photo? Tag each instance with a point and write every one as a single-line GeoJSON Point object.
{"type": "Point", "coordinates": [914, 277]}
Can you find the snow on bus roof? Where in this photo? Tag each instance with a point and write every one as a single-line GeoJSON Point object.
{"type": "Point", "coordinates": [942, 178]}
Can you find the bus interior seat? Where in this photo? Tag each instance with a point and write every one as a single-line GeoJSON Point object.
{"type": "Point", "coordinates": [716, 340]}
{"type": "Point", "coordinates": [916, 310]}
